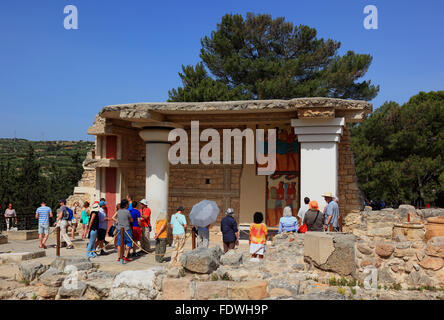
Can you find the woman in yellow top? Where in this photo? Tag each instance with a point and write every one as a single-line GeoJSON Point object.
{"type": "Point", "coordinates": [258, 237]}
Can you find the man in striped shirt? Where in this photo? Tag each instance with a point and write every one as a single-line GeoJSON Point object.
{"type": "Point", "coordinates": [43, 213]}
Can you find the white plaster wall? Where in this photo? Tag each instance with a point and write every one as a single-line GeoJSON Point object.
{"type": "Point", "coordinates": [319, 167]}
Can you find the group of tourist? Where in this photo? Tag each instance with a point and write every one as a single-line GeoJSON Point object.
{"type": "Point", "coordinates": [310, 218]}
{"type": "Point", "coordinates": [134, 220]}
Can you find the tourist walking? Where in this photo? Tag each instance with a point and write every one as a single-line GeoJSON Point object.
{"type": "Point", "coordinates": [258, 237]}
{"type": "Point", "coordinates": [62, 222]}
{"type": "Point", "coordinates": [124, 221]}
{"type": "Point", "coordinates": [43, 213]}
{"type": "Point", "coordinates": [331, 213]}
{"type": "Point", "coordinates": [160, 236]}
{"type": "Point", "coordinates": [75, 218]}
{"type": "Point", "coordinates": [288, 223]}
{"type": "Point", "coordinates": [178, 225]}
{"type": "Point", "coordinates": [84, 217]}
{"type": "Point", "coordinates": [136, 231]}
{"type": "Point", "coordinates": [203, 239]}
{"type": "Point", "coordinates": [145, 225]}
{"type": "Point", "coordinates": [230, 233]}
{"type": "Point", "coordinates": [103, 226]}
{"type": "Point", "coordinates": [10, 217]}
{"type": "Point", "coordinates": [302, 210]}
{"type": "Point", "coordinates": [313, 217]}
{"type": "Point", "coordinates": [93, 228]}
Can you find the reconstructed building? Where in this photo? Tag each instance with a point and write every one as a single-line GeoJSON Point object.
{"type": "Point", "coordinates": [313, 156]}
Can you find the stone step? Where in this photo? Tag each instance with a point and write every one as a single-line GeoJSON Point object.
{"type": "Point", "coordinates": [21, 256]}
{"type": "Point", "coordinates": [23, 235]}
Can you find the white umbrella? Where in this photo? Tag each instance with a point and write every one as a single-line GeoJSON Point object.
{"type": "Point", "coordinates": [204, 213]}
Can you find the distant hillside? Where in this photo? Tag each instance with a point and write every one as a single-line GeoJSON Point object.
{"type": "Point", "coordinates": [58, 153]}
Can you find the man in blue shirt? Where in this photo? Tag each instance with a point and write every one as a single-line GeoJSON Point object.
{"type": "Point", "coordinates": [136, 231]}
{"type": "Point", "coordinates": [331, 212]}
{"type": "Point", "coordinates": [43, 213]}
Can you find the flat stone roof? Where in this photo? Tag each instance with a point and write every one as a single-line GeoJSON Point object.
{"type": "Point", "coordinates": [135, 110]}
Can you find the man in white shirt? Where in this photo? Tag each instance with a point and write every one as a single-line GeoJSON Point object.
{"type": "Point", "coordinates": [302, 210]}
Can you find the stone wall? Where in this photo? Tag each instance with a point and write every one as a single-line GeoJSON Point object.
{"type": "Point", "coordinates": [348, 189]}
{"type": "Point", "coordinates": [399, 244]}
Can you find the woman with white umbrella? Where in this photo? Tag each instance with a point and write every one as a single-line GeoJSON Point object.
{"type": "Point", "coordinates": [202, 215]}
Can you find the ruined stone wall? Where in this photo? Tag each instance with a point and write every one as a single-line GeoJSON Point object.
{"type": "Point", "coordinates": [400, 244]}
{"type": "Point", "coordinates": [348, 189]}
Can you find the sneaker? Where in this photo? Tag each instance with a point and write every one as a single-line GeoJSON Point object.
{"type": "Point", "coordinates": [45, 247]}
{"type": "Point", "coordinates": [126, 259]}
{"type": "Point", "coordinates": [254, 259]}
{"type": "Point", "coordinates": [118, 259]}
{"type": "Point", "coordinates": [70, 247]}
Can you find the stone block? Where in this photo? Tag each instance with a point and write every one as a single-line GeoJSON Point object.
{"type": "Point", "coordinates": [202, 260]}
{"type": "Point", "coordinates": [435, 247]}
{"type": "Point", "coordinates": [176, 289]}
{"type": "Point", "coordinates": [211, 290]}
{"type": "Point", "coordinates": [432, 263]}
{"type": "Point", "coordinates": [18, 257]}
{"type": "Point", "coordinates": [331, 251]}
{"type": "Point", "coordinates": [23, 235]}
{"type": "Point", "coordinates": [249, 290]}
{"type": "Point", "coordinates": [3, 239]}
{"type": "Point", "coordinates": [30, 270]}
{"type": "Point", "coordinates": [135, 285]}
{"type": "Point", "coordinates": [80, 262]}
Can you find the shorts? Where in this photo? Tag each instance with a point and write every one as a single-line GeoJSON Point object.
{"type": "Point", "coordinates": [137, 234]}
{"type": "Point", "coordinates": [126, 238]}
{"type": "Point", "coordinates": [43, 228]}
{"type": "Point", "coordinates": [101, 233]}
{"type": "Point", "coordinates": [257, 248]}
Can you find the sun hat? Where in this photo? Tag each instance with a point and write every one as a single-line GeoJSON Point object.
{"type": "Point", "coordinates": [327, 194]}
{"type": "Point", "coordinates": [144, 201]}
{"type": "Point", "coordinates": [95, 207]}
{"type": "Point", "coordinates": [313, 205]}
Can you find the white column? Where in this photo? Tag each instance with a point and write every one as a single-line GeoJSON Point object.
{"type": "Point", "coordinates": [157, 170]}
{"type": "Point", "coordinates": [319, 156]}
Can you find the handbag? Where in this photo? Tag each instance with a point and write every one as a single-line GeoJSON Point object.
{"type": "Point", "coordinates": [302, 228]}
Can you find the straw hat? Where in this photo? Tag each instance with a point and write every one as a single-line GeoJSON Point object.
{"type": "Point", "coordinates": [327, 194]}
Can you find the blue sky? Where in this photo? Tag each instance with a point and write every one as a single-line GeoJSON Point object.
{"type": "Point", "coordinates": [53, 81]}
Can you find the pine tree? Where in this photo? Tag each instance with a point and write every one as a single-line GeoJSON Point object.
{"type": "Point", "coordinates": [263, 58]}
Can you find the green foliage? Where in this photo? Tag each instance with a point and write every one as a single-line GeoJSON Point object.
{"type": "Point", "coordinates": [214, 277]}
{"type": "Point", "coordinates": [332, 281]}
{"type": "Point", "coordinates": [258, 57]}
{"type": "Point", "coordinates": [32, 171]}
{"type": "Point", "coordinates": [352, 290]}
{"type": "Point", "coordinates": [398, 151]}
{"type": "Point", "coordinates": [226, 277]}
{"type": "Point", "coordinates": [341, 291]}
